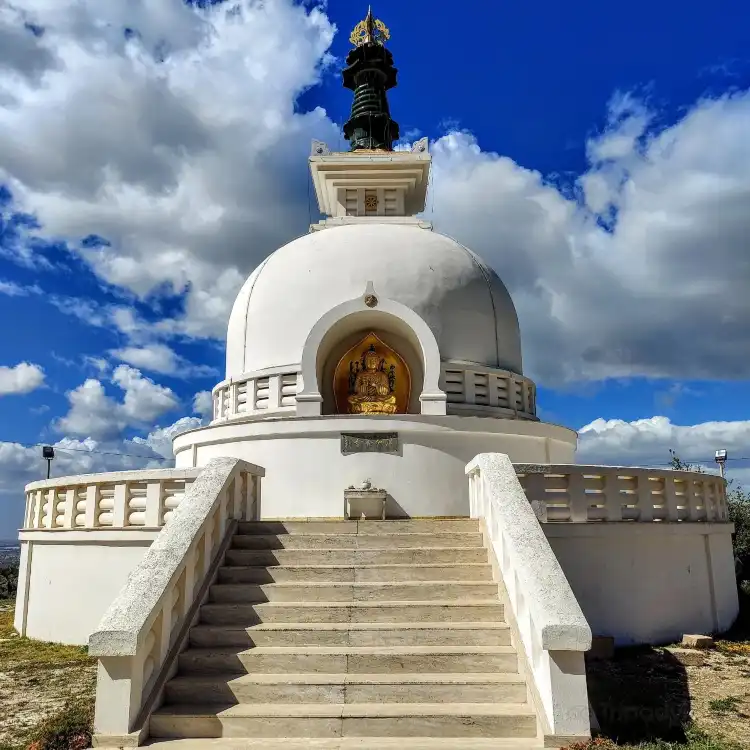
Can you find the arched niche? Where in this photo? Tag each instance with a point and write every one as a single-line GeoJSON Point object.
{"type": "Point", "coordinates": [398, 343]}
{"type": "Point", "coordinates": [341, 327]}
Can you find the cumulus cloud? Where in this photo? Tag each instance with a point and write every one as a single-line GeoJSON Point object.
{"type": "Point", "coordinates": [23, 378]}
{"type": "Point", "coordinates": [161, 358]}
{"type": "Point", "coordinates": [160, 439]}
{"type": "Point", "coordinates": [179, 145]}
{"type": "Point", "coordinates": [646, 442]}
{"type": "Point", "coordinates": [94, 413]}
{"type": "Point", "coordinates": [203, 404]}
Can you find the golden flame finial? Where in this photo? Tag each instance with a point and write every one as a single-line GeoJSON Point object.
{"type": "Point", "coordinates": [370, 31]}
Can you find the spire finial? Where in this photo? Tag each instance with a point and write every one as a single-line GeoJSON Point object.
{"type": "Point", "coordinates": [370, 31]}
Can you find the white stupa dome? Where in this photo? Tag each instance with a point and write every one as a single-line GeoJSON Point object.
{"type": "Point", "coordinates": [461, 299]}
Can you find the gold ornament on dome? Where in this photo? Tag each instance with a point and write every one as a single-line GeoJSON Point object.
{"type": "Point", "coordinates": [371, 378]}
{"type": "Point", "coordinates": [370, 31]}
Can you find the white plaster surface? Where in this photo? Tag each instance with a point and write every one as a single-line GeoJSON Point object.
{"type": "Point", "coordinates": [72, 584]}
{"type": "Point", "coordinates": [307, 474]}
{"type": "Point", "coordinates": [460, 298]}
{"type": "Point", "coordinates": [649, 582]}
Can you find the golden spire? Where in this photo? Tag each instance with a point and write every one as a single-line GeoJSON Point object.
{"type": "Point", "coordinates": [370, 31]}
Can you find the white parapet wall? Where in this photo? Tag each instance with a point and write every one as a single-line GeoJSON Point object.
{"type": "Point", "coordinates": [551, 627]}
{"type": "Point", "coordinates": [647, 552]}
{"type": "Point", "coordinates": [143, 630]}
{"type": "Point", "coordinates": [82, 536]}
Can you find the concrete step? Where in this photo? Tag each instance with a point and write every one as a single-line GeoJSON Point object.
{"type": "Point", "coordinates": [488, 610]}
{"type": "Point", "coordinates": [356, 541]}
{"type": "Point", "coordinates": [352, 634]}
{"type": "Point", "coordinates": [453, 555]}
{"type": "Point", "coordinates": [360, 527]}
{"type": "Point", "coordinates": [311, 720]}
{"type": "Point", "coordinates": [349, 660]}
{"type": "Point", "coordinates": [350, 743]}
{"type": "Point", "coordinates": [228, 690]}
{"type": "Point", "coordinates": [352, 592]}
{"type": "Point", "coordinates": [353, 574]}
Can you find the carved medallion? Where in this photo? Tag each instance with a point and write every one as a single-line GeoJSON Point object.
{"type": "Point", "coordinates": [371, 202]}
{"type": "Point", "coordinates": [371, 378]}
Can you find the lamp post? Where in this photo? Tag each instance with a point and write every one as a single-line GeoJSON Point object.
{"type": "Point", "coordinates": [721, 459]}
{"type": "Point", "coordinates": [48, 453]}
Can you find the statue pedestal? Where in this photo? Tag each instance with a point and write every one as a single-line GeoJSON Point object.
{"type": "Point", "coordinates": [364, 504]}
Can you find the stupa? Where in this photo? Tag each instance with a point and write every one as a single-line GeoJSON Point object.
{"type": "Point", "coordinates": [376, 542]}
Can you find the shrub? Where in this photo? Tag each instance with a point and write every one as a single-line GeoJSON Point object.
{"type": "Point", "coordinates": [8, 581]}
{"type": "Point", "coordinates": [70, 728]}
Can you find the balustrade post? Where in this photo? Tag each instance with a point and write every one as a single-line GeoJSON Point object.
{"type": "Point", "coordinates": [645, 498]}
{"type": "Point", "coordinates": [92, 506]}
{"type": "Point", "coordinates": [670, 499]}
{"type": "Point", "coordinates": [153, 504]}
{"type": "Point", "coordinates": [38, 510]}
{"type": "Point", "coordinates": [70, 507]}
{"type": "Point", "coordinates": [612, 497]}
{"type": "Point", "coordinates": [119, 691]}
{"type": "Point", "coordinates": [49, 518]}
{"type": "Point", "coordinates": [697, 496]}
{"type": "Point", "coordinates": [120, 509]}
{"type": "Point", "coordinates": [577, 498]}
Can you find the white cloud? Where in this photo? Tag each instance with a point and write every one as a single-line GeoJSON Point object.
{"type": "Point", "coordinates": [160, 439]}
{"type": "Point", "coordinates": [23, 378]}
{"type": "Point", "coordinates": [181, 146]}
{"type": "Point", "coordinates": [203, 404]}
{"type": "Point", "coordinates": [11, 289]}
{"type": "Point", "coordinates": [646, 442]}
{"type": "Point", "coordinates": [93, 413]}
{"type": "Point", "coordinates": [162, 359]}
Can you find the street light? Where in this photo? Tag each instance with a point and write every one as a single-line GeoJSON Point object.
{"type": "Point", "coordinates": [48, 453]}
{"type": "Point", "coordinates": [721, 459]}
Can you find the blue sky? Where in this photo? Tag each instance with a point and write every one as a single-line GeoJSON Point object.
{"type": "Point", "coordinates": [152, 154]}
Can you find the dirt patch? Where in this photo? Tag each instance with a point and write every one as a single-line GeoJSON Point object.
{"type": "Point", "coordinates": [644, 695]}
{"type": "Point", "coordinates": [37, 680]}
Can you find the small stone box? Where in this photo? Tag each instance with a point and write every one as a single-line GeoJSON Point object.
{"type": "Point", "coordinates": [364, 502]}
{"type": "Point", "coordinates": [697, 641]}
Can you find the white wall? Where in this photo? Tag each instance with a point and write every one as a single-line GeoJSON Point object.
{"type": "Point", "coordinates": [649, 582]}
{"type": "Point", "coordinates": [306, 473]}
{"type": "Point", "coordinates": [73, 581]}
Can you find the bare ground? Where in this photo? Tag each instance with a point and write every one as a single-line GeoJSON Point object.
{"type": "Point", "coordinates": [36, 680]}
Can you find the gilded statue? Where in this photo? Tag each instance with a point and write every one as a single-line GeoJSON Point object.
{"type": "Point", "coordinates": [371, 385]}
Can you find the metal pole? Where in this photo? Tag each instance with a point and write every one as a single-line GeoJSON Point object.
{"type": "Point", "coordinates": [721, 469]}
{"type": "Point", "coordinates": [49, 466]}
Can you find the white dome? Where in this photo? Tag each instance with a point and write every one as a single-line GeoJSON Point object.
{"type": "Point", "coordinates": [460, 298]}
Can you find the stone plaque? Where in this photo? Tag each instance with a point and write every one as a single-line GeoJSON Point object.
{"type": "Point", "coordinates": [369, 442]}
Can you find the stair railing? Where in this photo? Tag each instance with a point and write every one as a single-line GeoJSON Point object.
{"type": "Point", "coordinates": [146, 626]}
{"type": "Point", "coordinates": [553, 631]}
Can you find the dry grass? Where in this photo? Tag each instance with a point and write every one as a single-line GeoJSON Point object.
{"type": "Point", "coordinates": [44, 687]}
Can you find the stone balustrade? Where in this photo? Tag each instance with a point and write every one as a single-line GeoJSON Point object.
{"type": "Point", "coordinates": [142, 632]}
{"type": "Point", "coordinates": [544, 612]}
{"type": "Point", "coordinates": [115, 500]}
{"type": "Point", "coordinates": [576, 493]}
{"type": "Point", "coordinates": [256, 394]}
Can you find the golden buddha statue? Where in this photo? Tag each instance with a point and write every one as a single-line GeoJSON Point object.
{"type": "Point", "coordinates": [371, 387]}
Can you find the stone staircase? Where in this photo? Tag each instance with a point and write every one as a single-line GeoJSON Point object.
{"type": "Point", "coordinates": [344, 634]}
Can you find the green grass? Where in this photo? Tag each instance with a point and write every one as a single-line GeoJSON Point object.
{"type": "Point", "coordinates": [725, 705]}
{"type": "Point", "coordinates": [70, 728]}
{"type": "Point", "coordinates": [695, 739]}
